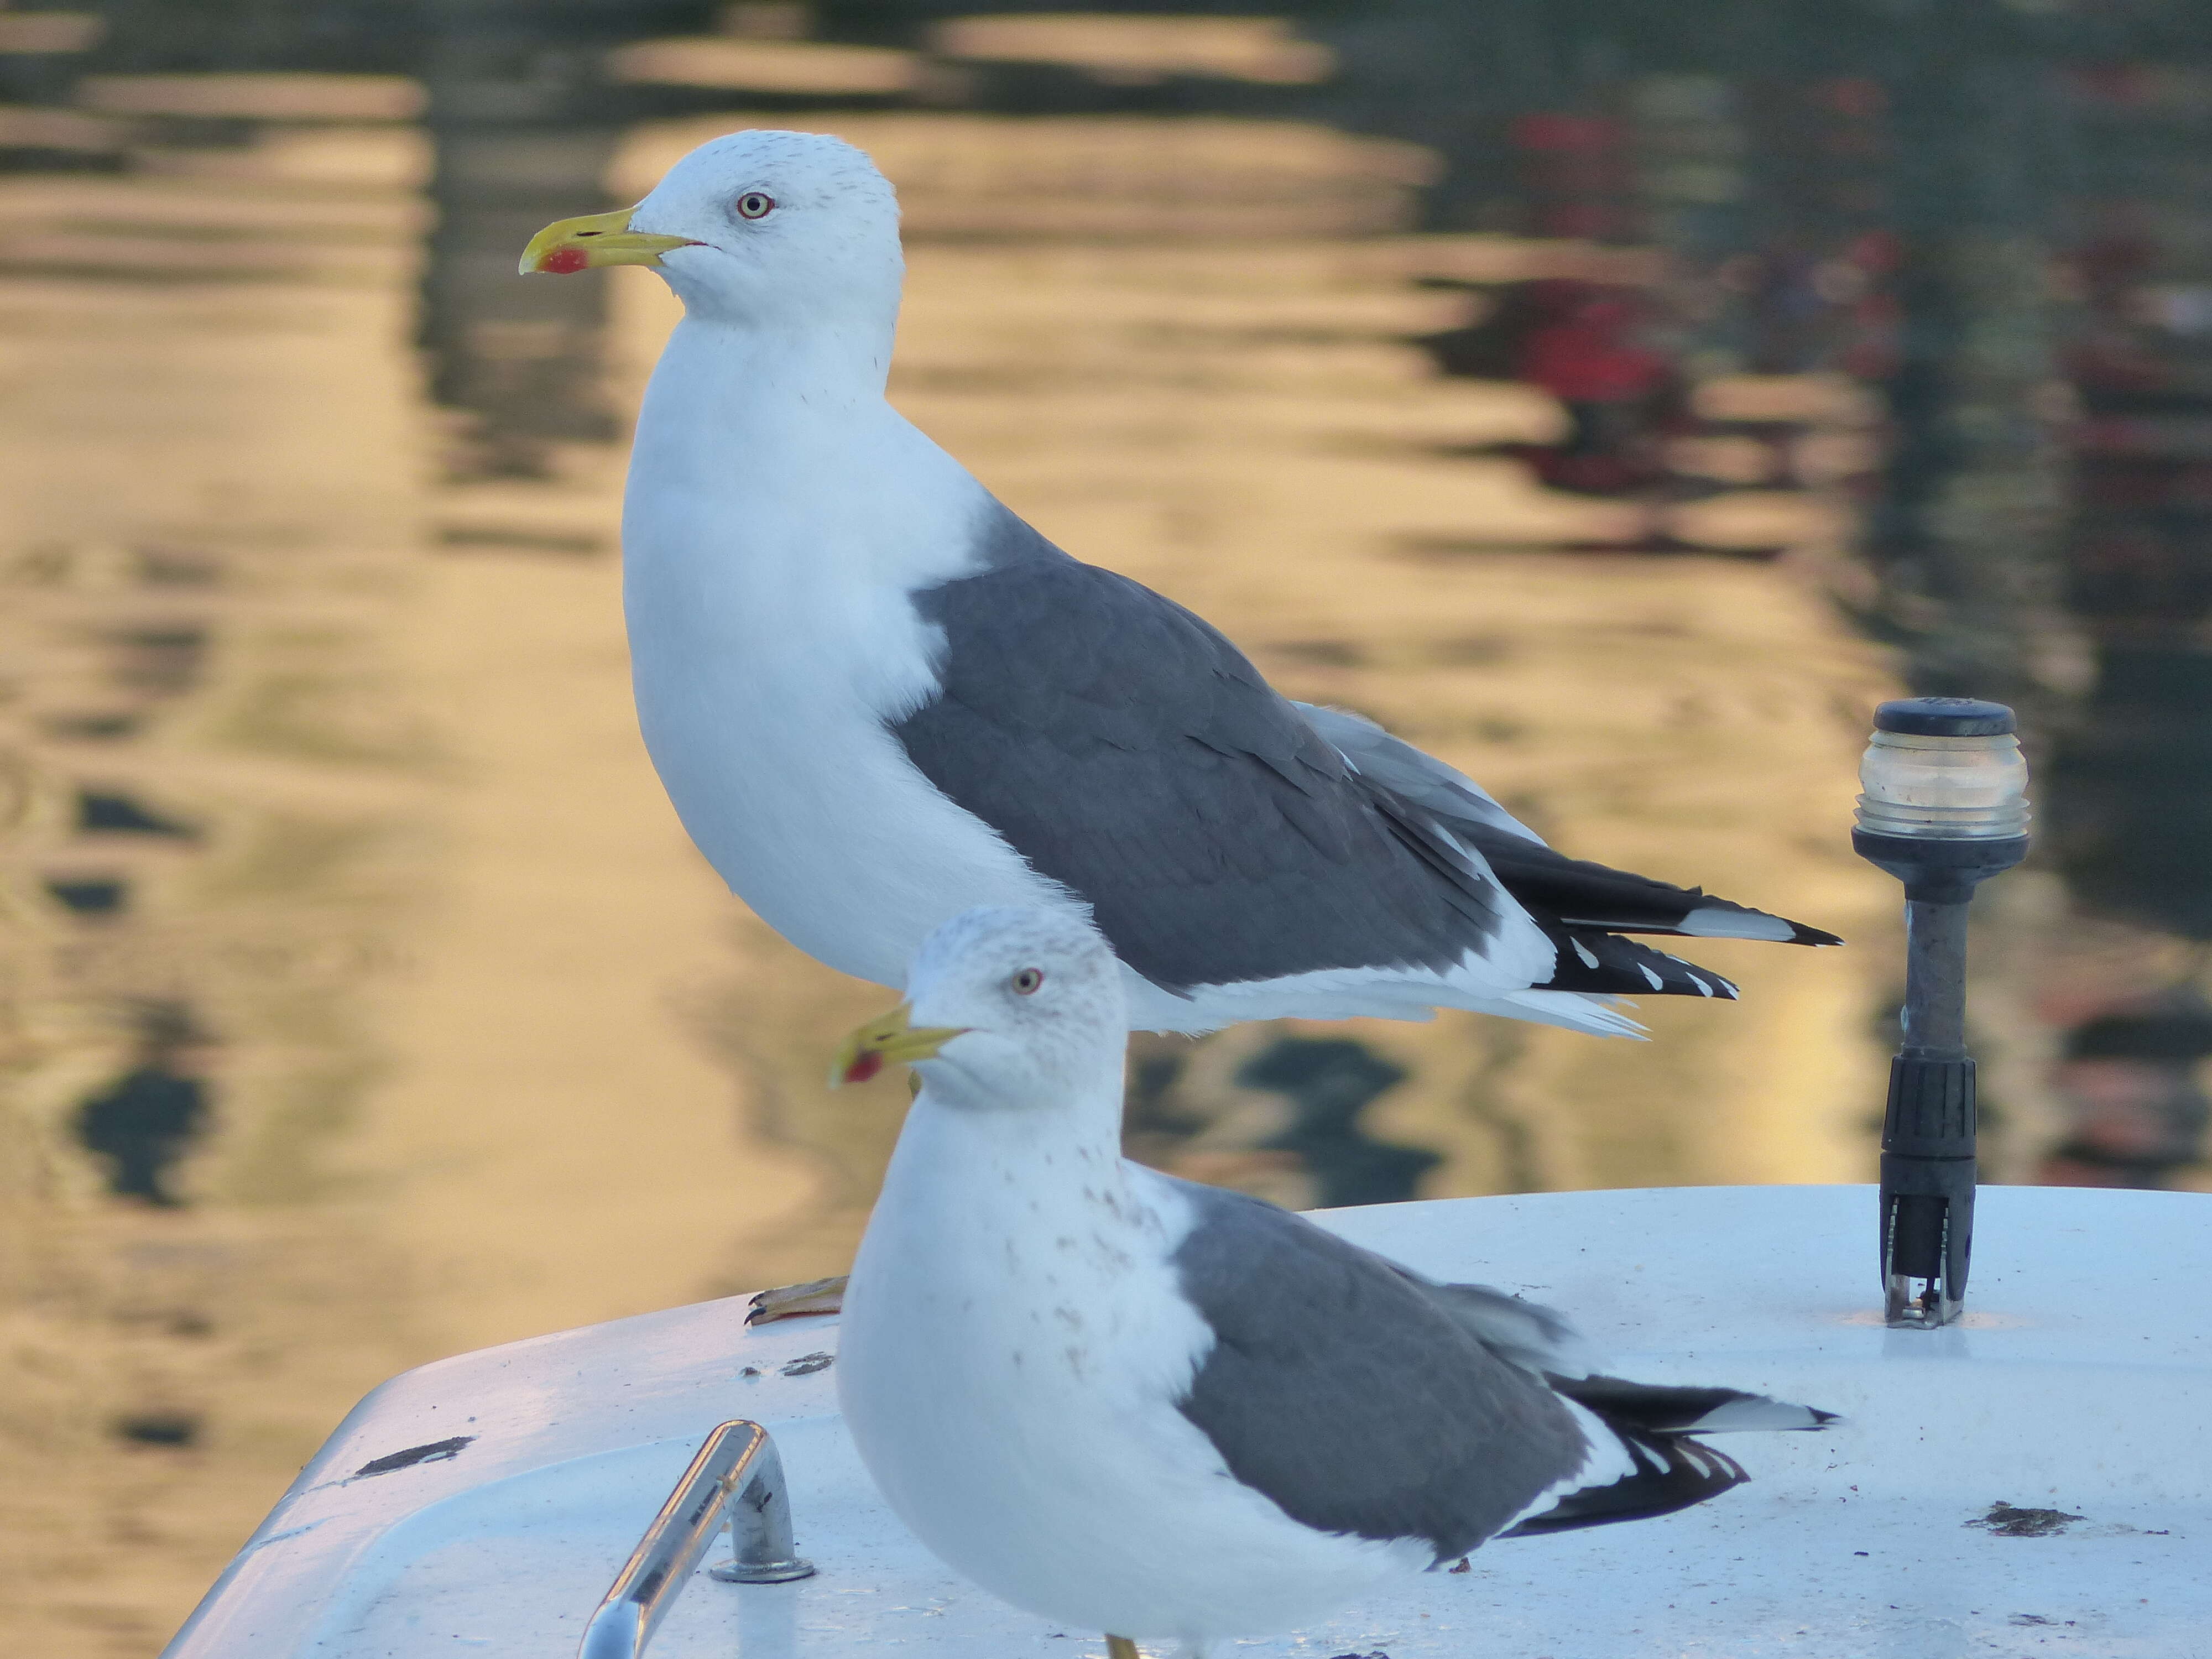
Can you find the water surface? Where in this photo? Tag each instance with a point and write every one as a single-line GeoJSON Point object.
{"type": "Point", "coordinates": [329, 809]}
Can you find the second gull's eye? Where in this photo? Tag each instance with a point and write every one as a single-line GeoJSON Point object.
{"type": "Point", "coordinates": [1026, 982]}
{"type": "Point", "coordinates": [755, 204]}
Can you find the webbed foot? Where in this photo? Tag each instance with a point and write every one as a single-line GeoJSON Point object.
{"type": "Point", "coordinates": [815, 1296]}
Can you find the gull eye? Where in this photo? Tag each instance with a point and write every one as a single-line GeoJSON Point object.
{"type": "Point", "coordinates": [755, 204]}
{"type": "Point", "coordinates": [1026, 982]}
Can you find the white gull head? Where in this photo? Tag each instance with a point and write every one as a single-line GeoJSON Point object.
{"type": "Point", "coordinates": [790, 230]}
{"type": "Point", "coordinates": [1036, 996]}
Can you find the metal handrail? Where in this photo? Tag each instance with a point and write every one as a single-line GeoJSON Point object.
{"type": "Point", "coordinates": [737, 1479]}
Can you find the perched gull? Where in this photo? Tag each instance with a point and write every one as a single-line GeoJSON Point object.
{"type": "Point", "coordinates": [878, 698]}
{"type": "Point", "coordinates": [1131, 1404]}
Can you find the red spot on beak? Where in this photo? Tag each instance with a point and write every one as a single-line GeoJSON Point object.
{"type": "Point", "coordinates": [863, 1068]}
{"type": "Point", "coordinates": [564, 261]}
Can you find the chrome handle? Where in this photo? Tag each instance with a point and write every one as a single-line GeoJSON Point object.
{"type": "Point", "coordinates": [736, 1478]}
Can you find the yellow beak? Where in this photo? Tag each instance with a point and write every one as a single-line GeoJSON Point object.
{"type": "Point", "coordinates": [597, 239]}
{"type": "Point", "coordinates": [862, 1055]}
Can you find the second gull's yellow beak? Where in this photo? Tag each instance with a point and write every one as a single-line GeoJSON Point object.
{"type": "Point", "coordinates": [597, 239]}
{"type": "Point", "coordinates": [862, 1055]}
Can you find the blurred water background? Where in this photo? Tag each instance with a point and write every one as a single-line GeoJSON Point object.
{"type": "Point", "coordinates": [1616, 397]}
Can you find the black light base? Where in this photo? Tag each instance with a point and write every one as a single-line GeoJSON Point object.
{"type": "Point", "coordinates": [1927, 1177]}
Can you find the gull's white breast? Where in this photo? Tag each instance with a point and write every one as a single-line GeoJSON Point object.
{"type": "Point", "coordinates": [768, 560]}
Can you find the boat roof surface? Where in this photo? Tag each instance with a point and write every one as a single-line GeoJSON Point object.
{"type": "Point", "coordinates": [482, 1504]}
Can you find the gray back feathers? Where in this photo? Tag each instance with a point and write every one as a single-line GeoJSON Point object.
{"type": "Point", "coordinates": [1131, 753]}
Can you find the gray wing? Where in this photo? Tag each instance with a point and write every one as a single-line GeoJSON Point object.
{"type": "Point", "coordinates": [1365, 1398]}
{"type": "Point", "coordinates": [1420, 778]}
{"type": "Point", "coordinates": [1341, 1388]}
{"type": "Point", "coordinates": [1130, 752]}
{"type": "Point", "coordinates": [1581, 898]}
{"type": "Point", "coordinates": [1526, 1334]}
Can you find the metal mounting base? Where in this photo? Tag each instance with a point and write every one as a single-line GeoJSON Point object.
{"type": "Point", "coordinates": [763, 1573]}
{"type": "Point", "coordinates": [1904, 1311]}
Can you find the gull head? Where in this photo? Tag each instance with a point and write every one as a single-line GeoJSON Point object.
{"type": "Point", "coordinates": [1011, 1008]}
{"type": "Point", "coordinates": [762, 227]}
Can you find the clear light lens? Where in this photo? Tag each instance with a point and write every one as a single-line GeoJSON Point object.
{"type": "Point", "coordinates": [1943, 788]}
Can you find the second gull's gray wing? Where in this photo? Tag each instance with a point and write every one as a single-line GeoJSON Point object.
{"type": "Point", "coordinates": [1338, 1387]}
{"type": "Point", "coordinates": [1364, 1399]}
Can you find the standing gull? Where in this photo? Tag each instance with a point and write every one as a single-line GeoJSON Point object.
{"type": "Point", "coordinates": [878, 698]}
{"type": "Point", "coordinates": [1129, 1403]}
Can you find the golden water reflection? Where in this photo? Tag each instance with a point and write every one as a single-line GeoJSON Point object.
{"type": "Point", "coordinates": [491, 1053]}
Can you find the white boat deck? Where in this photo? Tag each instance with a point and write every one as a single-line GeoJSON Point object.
{"type": "Point", "coordinates": [482, 1505]}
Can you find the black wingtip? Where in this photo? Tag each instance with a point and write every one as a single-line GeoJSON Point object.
{"type": "Point", "coordinates": [1800, 934]}
{"type": "Point", "coordinates": [1670, 1473]}
{"type": "Point", "coordinates": [1658, 1424]}
{"type": "Point", "coordinates": [1609, 965]}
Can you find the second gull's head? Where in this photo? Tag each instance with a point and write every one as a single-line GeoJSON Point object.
{"type": "Point", "coordinates": [1008, 1008]}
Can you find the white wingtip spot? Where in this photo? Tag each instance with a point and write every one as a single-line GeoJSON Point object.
{"type": "Point", "coordinates": [1588, 957]}
{"type": "Point", "coordinates": [1704, 989]}
{"type": "Point", "coordinates": [1756, 1412]}
{"type": "Point", "coordinates": [1658, 983]}
{"type": "Point", "coordinates": [1713, 922]}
